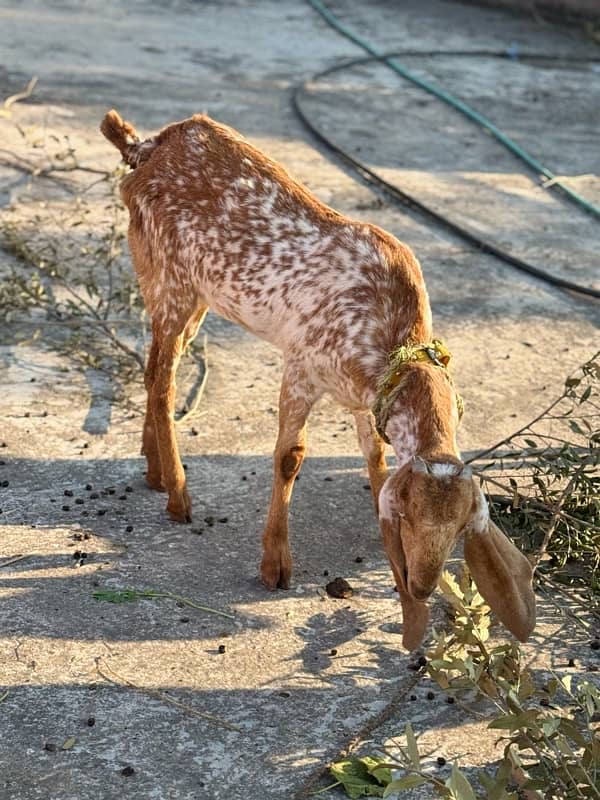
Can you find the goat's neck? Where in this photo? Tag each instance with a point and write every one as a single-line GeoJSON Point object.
{"type": "Point", "coordinates": [424, 417]}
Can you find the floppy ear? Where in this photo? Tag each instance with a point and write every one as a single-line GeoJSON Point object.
{"type": "Point", "coordinates": [502, 573]}
{"type": "Point", "coordinates": [415, 614]}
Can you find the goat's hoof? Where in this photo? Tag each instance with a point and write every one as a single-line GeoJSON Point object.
{"type": "Point", "coordinates": [179, 506]}
{"type": "Point", "coordinates": [275, 574]}
{"type": "Point", "coordinates": [154, 482]}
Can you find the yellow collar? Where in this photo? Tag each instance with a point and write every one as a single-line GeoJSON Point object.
{"type": "Point", "coordinates": [434, 352]}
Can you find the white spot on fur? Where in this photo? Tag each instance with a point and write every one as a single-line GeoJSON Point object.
{"type": "Point", "coordinates": [445, 469]}
{"type": "Point", "coordinates": [401, 430]}
{"type": "Point", "coordinates": [386, 502]}
{"type": "Point", "coordinates": [481, 517]}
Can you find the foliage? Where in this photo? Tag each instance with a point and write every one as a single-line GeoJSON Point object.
{"type": "Point", "coordinates": [72, 275]}
{"type": "Point", "coordinates": [544, 484]}
{"type": "Point", "coordinates": [550, 733]}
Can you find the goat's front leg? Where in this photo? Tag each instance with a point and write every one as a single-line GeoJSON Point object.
{"type": "Point", "coordinates": [373, 449]}
{"type": "Point", "coordinates": [162, 404]}
{"type": "Point", "coordinates": [295, 403]}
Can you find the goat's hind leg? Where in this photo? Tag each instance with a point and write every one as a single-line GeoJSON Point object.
{"type": "Point", "coordinates": [161, 399]}
{"type": "Point", "coordinates": [149, 444]}
{"type": "Point", "coordinates": [149, 440]}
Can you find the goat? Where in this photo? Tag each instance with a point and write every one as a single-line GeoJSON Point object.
{"type": "Point", "coordinates": [215, 223]}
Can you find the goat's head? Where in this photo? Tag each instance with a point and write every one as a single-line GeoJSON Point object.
{"type": "Point", "coordinates": [424, 507]}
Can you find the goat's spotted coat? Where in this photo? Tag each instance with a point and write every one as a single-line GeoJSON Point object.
{"type": "Point", "coordinates": [215, 223]}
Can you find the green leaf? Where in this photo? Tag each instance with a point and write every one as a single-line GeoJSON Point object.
{"type": "Point", "coordinates": [407, 782]}
{"type": "Point", "coordinates": [69, 743]}
{"type": "Point", "coordinates": [411, 744]}
{"type": "Point", "coordinates": [585, 395]}
{"type": "Point", "coordinates": [378, 768]}
{"type": "Point", "coordinates": [513, 722]}
{"type": "Point", "coordinates": [354, 775]}
{"type": "Point", "coordinates": [459, 785]}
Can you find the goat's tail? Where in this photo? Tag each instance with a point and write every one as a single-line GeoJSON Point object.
{"type": "Point", "coordinates": [125, 138]}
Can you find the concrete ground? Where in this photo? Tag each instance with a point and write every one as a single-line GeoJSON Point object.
{"type": "Point", "coordinates": [103, 700]}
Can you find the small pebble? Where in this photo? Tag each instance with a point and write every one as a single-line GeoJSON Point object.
{"type": "Point", "coordinates": [50, 747]}
{"type": "Point", "coordinates": [68, 493]}
{"type": "Point", "coordinates": [128, 771]}
{"type": "Point", "coordinates": [129, 528]}
{"type": "Point", "coordinates": [79, 501]}
{"type": "Point", "coordinates": [221, 648]}
{"type": "Point", "coordinates": [122, 497]}
{"type": "Point", "coordinates": [184, 619]}
{"type": "Point", "coordinates": [223, 519]}
{"type": "Point", "coordinates": [430, 695]}
{"type": "Point", "coordinates": [244, 478]}
{"type": "Point", "coordinates": [66, 508]}
{"type": "Point", "coordinates": [327, 478]}
{"type": "Point", "coordinates": [441, 761]}
{"type": "Point", "coordinates": [340, 588]}
{"type": "Point", "coordinates": [450, 700]}
{"type": "Point", "coordinates": [26, 414]}
{"type": "Point", "coordinates": [333, 652]}
{"type": "Point", "coordinates": [413, 697]}
{"type": "Point", "coordinates": [91, 721]}
{"type": "Point", "coordinates": [129, 489]}
{"type": "Point", "coordinates": [358, 559]}
{"type": "Point", "coordinates": [88, 487]}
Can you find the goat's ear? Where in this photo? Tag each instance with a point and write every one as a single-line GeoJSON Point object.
{"type": "Point", "coordinates": [415, 615]}
{"type": "Point", "coordinates": [502, 573]}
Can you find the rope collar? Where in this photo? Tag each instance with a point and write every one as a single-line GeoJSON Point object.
{"type": "Point", "coordinates": [434, 352]}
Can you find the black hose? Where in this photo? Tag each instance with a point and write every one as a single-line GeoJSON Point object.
{"type": "Point", "coordinates": [410, 201]}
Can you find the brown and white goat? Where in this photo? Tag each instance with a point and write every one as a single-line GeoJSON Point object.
{"type": "Point", "coordinates": [216, 224]}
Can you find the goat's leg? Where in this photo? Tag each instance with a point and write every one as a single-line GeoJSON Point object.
{"type": "Point", "coordinates": [162, 402]}
{"type": "Point", "coordinates": [295, 403]}
{"type": "Point", "coordinates": [373, 449]}
{"type": "Point", "coordinates": [193, 326]}
{"type": "Point", "coordinates": [149, 445]}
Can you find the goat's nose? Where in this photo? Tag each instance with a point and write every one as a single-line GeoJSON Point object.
{"type": "Point", "coordinates": [418, 591]}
